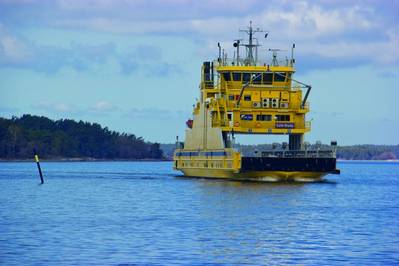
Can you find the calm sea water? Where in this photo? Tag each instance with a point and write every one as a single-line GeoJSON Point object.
{"type": "Point", "coordinates": [120, 213]}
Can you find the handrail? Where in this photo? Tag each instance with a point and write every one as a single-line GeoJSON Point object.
{"type": "Point", "coordinates": [242, 62]}
{"type": "Point", "coordinates": [317, 153]}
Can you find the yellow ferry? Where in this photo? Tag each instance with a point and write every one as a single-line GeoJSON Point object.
{"type": "Point", "coordinates": [241, 95]}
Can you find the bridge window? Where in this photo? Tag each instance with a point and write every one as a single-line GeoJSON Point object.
{"type": "Point", "coordinates": [264, 117]}
{"type": "Point", "coordinates": [246, 77]}
{"type": "Point", "coordinates": [227, 76]}
{"type": "Point", "coordinates": [247, 97]}
{"type": "Point", "coordinates": [256, 78]}
{"type": "Point", "coordinates": [231, 97]}
{"type": "Point", "coordinates": [279, 76]}
{"type": "Point", "coordinates": [237, 76]}
{"type": "Point", "coordinates": [267, 78]}
{"type": "Point", "coordinates": [282, 118]}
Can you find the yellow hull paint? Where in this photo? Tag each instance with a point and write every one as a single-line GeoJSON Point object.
{"type": "Point", "coordinates": [261, 176]}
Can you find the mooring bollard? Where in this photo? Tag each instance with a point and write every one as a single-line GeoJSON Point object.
{"type": "Point", "coordinates": [38, 165]}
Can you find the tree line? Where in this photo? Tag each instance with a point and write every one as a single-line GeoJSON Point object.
{"type": "Point", "coordinates": [66, 138]}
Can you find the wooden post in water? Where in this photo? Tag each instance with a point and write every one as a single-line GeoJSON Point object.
{"type": "Point", "coordinates": [38, 166]}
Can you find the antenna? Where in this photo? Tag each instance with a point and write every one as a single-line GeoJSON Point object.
{"type": "Point", "coordinates": [292, 54]}
{"type": "Point", "coordinates": [220, 52]}
{"type": "Point", "coordinates": [274, 51]}
{"type": "Point", "coordinates": [256, 51]}
{"type": "Point", "coordinates": [236, 44]}
{"type": "Point", "coordinates": [250, 60]}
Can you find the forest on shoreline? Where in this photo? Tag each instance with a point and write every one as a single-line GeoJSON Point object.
{"type": "Point", "coordinates": [66, 138]}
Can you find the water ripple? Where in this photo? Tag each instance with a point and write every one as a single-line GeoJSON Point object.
{"type": "Point", "coordinates": [140, 213]}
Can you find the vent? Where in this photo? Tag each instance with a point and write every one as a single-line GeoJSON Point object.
{"type": "Point", "coordinates": [274, 102]}
{"type": "Point", "coordinates": [265, 103]}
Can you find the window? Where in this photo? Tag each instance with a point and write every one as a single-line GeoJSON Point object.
{"type": "Point", "coordinates": [256, 78]}
{"type": "Point", "coordinates": [231, 97]}
{"type": "Point", "coordinates": [264, 117]}
{"type": "Point", "coordinates": [247, 97]}
{"type": "Point", "coordinates": [282, 118]}
{"type": "Point", "coordinates": [237, 76]}
{"type": "Point", "coordinates": [267, 78]}
{"type": "Point", "coordinates": [246, 117]}
{"type": "Point", "coordinates": [246, 77]}
{"type": "Point", "coordinates": [279, 76]}
{"type": "Point", "coordinates": [229, 117]}
{"type": "Point", "coordinates": [227, 76]}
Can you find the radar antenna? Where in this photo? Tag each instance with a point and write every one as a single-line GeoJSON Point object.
{"type": "Point", "coordinates": [274, 52]}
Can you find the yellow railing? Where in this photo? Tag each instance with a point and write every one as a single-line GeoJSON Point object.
{"type": "Point", "coordinates": [231, 160]}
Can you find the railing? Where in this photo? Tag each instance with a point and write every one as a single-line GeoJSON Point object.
{"type": "Point", "coordinates": [299, 153]}
{"type": "Point", "coordinates": [243, 62]}
{"type": "Point", "coordinates": [220, 158]}
{"type": "Point", "coordinates": [206, 153]}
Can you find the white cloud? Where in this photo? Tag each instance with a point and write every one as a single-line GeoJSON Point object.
{"type": "Point", "coordinates": [377, 52]}
{"type": "Point", "coordinates": [103, 107]}
{"type": "Point", "coordinates": [12, 49]}
{"type": "Point", "coordinates": [54, 107]}
{"type": "Point", "coordinates": [63, 108]}
{"type": "Point", "coordinates": [116, 25]}
{"type": "Point", "coordinates": [300, 18]}
{"type": "Point", "coordinates": [351, 31]}
{"type": "Point", "coordinates": [157, 114]}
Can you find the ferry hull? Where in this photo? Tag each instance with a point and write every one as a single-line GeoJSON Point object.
{"type": "Point", "coordinates": [259, 176]}
{"type": "Point", "coordinates": [258, 168]}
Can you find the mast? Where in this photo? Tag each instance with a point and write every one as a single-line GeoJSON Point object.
{"type": "Point", "coordinates": [252, 48]}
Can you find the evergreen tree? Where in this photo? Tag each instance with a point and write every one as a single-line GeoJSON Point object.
{"type": "Point", "coordinates": [67, 138]}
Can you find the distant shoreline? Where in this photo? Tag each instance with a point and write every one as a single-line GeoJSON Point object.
{"type": "Point", "coordinates": [381, 161]}
{"type": "Point", "coordinates": [69, 160]}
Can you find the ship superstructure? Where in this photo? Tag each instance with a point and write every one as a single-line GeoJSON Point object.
{"type": "Point", "coordinates": [241, 95]}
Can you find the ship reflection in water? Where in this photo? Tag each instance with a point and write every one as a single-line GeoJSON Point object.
{"type": "Point", "coordinates": [120, 213]}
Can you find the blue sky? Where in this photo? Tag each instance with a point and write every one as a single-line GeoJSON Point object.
{"type": "Point", "coordinates": [134, 66]}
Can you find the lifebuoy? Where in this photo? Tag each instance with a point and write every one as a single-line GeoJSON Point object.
{"type": "Point", "coordinates": [257, 124]}
{"type": "Point", "coordinates": [236, 124]}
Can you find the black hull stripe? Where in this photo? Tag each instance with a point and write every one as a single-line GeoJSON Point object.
{"type": "Point", "coordinates": [289, 164]}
